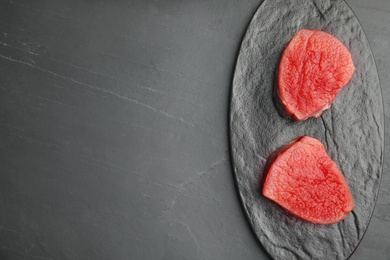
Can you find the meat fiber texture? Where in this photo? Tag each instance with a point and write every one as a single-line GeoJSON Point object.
{"type": "Point", "coordinates": [351, 130]}
{"type": "Point", "coordinates": [306, 182]}
{"type": "Point", "coordinates": [314, 67]}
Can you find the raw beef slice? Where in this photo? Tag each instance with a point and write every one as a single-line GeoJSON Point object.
{"type": "Point", "coordinates": [307, 183]}
{"type": "Point", "coordinates": [313, 69]}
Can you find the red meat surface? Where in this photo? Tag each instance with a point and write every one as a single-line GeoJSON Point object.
{"type": "Point", "coordinates": [313, 68]}
{"type": "Point", "coordinates": [307, 183]}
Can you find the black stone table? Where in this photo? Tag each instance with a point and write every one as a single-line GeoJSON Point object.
{"type": "Point", "coordinates": [114, 129]}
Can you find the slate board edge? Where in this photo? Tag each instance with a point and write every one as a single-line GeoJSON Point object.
{"type": "Point", "coordinates": [232, 163]}
{"type": "Point", "coordinates": [382, 134]}
{"type": "Point", "coordinates": [230, 120]}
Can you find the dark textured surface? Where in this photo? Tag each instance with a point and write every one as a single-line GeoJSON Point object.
{"type": "Point", "coordinates": [114, 130]}
{"type": "Point", "coordinates": [352, 129]}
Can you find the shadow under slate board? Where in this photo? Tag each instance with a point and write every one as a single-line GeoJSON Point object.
{"type": "Point", "coordinates": [352, 130]}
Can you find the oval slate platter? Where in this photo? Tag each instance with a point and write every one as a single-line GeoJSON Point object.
{"type": "Point", "coordinates": [351, 131]}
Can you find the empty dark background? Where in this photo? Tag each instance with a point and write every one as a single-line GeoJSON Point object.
{"type": "Point", "coordinates": [113, 129]}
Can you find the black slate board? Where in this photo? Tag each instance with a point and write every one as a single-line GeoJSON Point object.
{"type": "Point", "coordinates": [352, 130]}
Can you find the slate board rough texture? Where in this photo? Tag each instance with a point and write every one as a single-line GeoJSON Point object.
{"type": "Point", "coordinates": [352, 130]}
